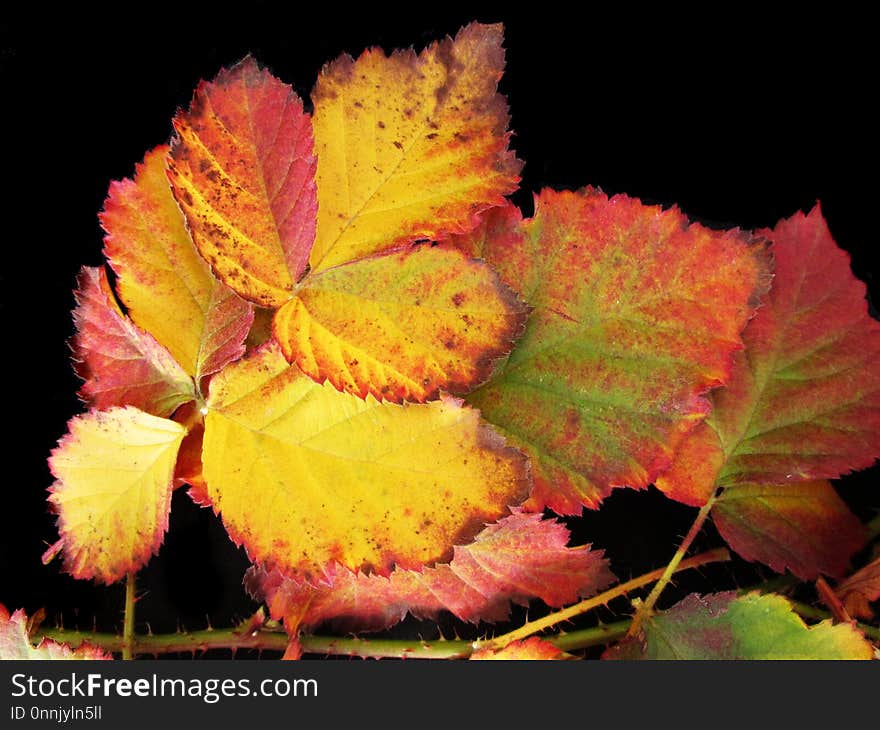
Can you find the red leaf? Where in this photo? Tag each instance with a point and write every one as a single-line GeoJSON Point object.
{"type": "Point", "coordinates": [803, 400]}
{"type": "Point", "coordinates": [121, 364]}
{"type": "Point", "coordinates": [804, 527]}
{"type": "Point", "coordinates": [518, 558]}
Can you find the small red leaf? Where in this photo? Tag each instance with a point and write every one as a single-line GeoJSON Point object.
{"type": "Point", "coordinates": [121, 364]}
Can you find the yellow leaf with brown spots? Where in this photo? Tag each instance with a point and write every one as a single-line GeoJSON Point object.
{"type": "Point", "coordinates": [304, 475]}
{"type": "Point", "coordinates": [242, 171]}
{"type": "Point", "coordinates": [410, 146]}
{"type": "Point", "coordinates": [401, 326]}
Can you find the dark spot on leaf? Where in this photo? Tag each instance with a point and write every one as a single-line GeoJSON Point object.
{"type": "Point", "coordinates": [397, 144]}
{"type": "Point", "coordinates": [458, 298]}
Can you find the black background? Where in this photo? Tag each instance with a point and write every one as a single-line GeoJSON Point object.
{"type": "Point", "coordinates": [737, 118]}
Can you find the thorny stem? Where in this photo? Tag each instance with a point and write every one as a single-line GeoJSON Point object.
{"type": "Point", "coordinates": [261, 639]}
{"type": "Point", "coordinates": [276, 641]}
{"type": "Point", "coordinates": [533, 627]}
{"type": "Point", "coordinates": [646, 608]}
{"type": "Point", "coordinates": [128, 640]}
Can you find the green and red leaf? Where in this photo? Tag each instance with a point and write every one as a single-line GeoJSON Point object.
{"type": "Point", "coordinates": [803, 400]}
{"type": "Point", "coordinates": [519, 558]}
{"type": "Point", "coordinates": [750, 627]}
{"type": "Point", "coordinates": [802, 404]}
{"type": "Point", "coordinates": [636, 315]}
{"type": "Point", "coordinates": [120, 364]}
{"type": "Point", "coordinates": [242, 170]}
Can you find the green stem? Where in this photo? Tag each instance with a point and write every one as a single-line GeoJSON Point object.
{"type": "Point", "coordinates": [192, 641]}
{"type": "Point", "coordinates": [817, 614]}
{"type": "Point", "coordinates": [646, 608]}
{"type": "Point", "coordinates": [566, 614]}
{"type": "Point", "coordinates": [128, 621]}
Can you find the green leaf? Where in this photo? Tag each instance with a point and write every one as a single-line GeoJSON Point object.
{"type": "Point", "coordinates": [753, 626]}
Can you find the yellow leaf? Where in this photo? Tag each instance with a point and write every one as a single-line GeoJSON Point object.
{"type": "Point", "coordinates": [304, 475]}
{"type": "Point", "coordinates": [410, 146]}
{"type": "Point", "coordinates": [401, 326]}
{"type": "Point", "coordinates": [165, 285]}
{"type": "Point", "coordinates": [113, 491]}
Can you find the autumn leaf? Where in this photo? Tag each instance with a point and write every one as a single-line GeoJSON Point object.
{"type": "Point", "coordinates": [410, 146]}
{"type": "Point", "coordinates": [119, 363]}
{"type": "Point", "coordinates": [804, 527]}
{"type": "Point", "coordinates": [242, 170]}
{"type": "Point", "coordinates": [802, 403]}
{"type": "Point", "coordinates": [860, 589]}
{"type": "Point", "coordinates": [636, 314]}
{"type": "Point", "coordinates": [165, 285]}
{"type": "Point", "coordinates": [749, 627]}
{"type": "Point", "coordinates": [529, 649]}
{"type": "Point", "coordinates": [514, 560]}
{"type": "Point", "coordinates": [401, 326]}
{"type": "Point", "coordinates": [304, 475]}
{"type": "Point", "coordinates": [15, 643]}
{"type": "Point", "coordinates": [112, 493]}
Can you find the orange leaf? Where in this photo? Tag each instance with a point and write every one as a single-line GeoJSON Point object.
{"type": "Point", "coordinates": [860, 589]}
{"type": "Point", "coordinates": [242, 171]}
{"type": "Point", "coordinates": [165, 285]}
{"type": "Point", "coordinates": [304, 475]}
{"type": "Point", "coordinates": [410, 146]}
{"type": "Point", "coordinates": [530, 649]}
{"type": "Point", "coordinates": [114, 474]}
{"type": "Point", "coordinates": [119, 363]}
{"type": "Point", "coordinates": [401, 326]}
